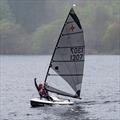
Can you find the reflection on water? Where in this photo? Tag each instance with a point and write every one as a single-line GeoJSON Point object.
{"type": "Point", "coordinates": [100, 90]}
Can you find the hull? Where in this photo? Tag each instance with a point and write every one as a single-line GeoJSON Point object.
{"type": "Point", "coordinates": [37, 102]}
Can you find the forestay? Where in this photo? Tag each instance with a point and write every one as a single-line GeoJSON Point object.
{"type": "Point", "coordinates": [65, 72]}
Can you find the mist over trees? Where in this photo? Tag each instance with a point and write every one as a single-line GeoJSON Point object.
{"type": "Point", "coordinates": [33, 26]}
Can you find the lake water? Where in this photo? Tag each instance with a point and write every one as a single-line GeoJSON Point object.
{"type": "Point", "coordinates": [100, 90]}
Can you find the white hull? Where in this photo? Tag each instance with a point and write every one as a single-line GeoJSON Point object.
{"type": "Point", "coordinates": [36, 102]}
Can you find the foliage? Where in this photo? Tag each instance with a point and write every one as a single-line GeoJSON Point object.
{"type": "Point", "coordinates": [33, 27]}
{"type": "Point", "coordinates": [46, 36]}
{"type": "Point", "coordinates": [7, 26]}
{"type": "Point", "coordinates": [5, 12]}
{"type": "Point", "coordinates": [13, 38]}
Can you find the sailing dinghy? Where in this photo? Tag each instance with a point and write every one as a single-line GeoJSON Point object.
{"type": "Point", "coordinates": [65, 71]}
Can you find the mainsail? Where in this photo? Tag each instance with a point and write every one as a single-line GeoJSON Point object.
{"type": "Point", "coordinates": [65, 72]}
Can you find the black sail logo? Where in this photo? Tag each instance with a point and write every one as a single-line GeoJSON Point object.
{"type": "Point", "coordinates": [76, 54]}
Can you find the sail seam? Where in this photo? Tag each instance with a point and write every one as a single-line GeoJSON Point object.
{"type": "Point", "coordinates": [65, 74]}
{"type": "Point", "coordinates": [69, 22]}
{"type": "Point", "coordinates": [71, 33]}
{"type": "Point", "coordinates": [70, 47]}
{"type": "Point", "coordinates": [67, 61]}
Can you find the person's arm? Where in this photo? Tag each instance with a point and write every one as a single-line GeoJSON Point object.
{"type": "Point", "coordinates": [36, 84]}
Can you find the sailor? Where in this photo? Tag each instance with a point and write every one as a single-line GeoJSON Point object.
{"type": "Point", "coordinates": [42, 91]}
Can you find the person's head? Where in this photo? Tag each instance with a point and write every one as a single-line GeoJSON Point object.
{"type": "Point", "coordinates": [40, 85]}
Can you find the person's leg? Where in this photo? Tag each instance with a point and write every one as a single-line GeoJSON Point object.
{"type": "Point", "coordinates": [50, 98]}
{"type": "Point", "coordinates": [47, 98]}
{"type": "Point", "coordinates": [40, 96]}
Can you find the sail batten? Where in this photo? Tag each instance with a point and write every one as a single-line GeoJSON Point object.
{"type": "Point", "coordinates": [67, 62]}
{"type": "Point", "coordinates": [72, 33]}
{"type": "Point", "coordinates": [69, 22]}
{"type": "Point", "coordinates": [66, 74]}
{"type": "Point", "coordinates": [70, 47]}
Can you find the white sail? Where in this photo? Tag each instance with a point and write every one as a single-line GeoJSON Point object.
{"type": "Point", "coordinates": [65, 72]}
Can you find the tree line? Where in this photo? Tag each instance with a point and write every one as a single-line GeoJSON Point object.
{"type": "Point", "coordinates": [33, 27]}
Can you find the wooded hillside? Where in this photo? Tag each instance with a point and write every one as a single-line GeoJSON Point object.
{"type": "Point", "coordinates": [33, 26]}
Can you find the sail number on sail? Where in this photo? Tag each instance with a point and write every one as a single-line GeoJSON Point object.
{"type": "Point", "coordinates": [76, 54]}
